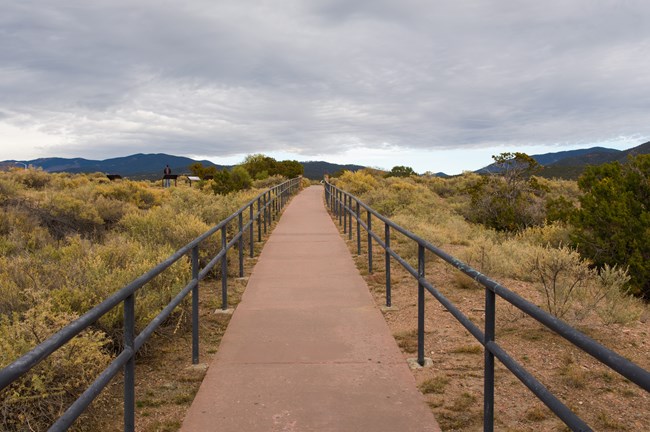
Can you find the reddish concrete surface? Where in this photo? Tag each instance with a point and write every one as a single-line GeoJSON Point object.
{"type": "Point", "coordinates": [307, 349]}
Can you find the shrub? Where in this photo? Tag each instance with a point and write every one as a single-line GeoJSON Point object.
{"type": "Point", "coordinates": [553, 234]}
{"type": "Point", "coordinates": [358, 182]}
{"type": "Point", "coordinates": [136, 193]}
{"type": "Point", "coordinates": [241, 179]}
{"type": "Point", "coordinates": [267, 181]}
{"type": "Point", "coordinates": [33, 178]}
{"type": "Point", "coordinates": [401, 171]}
{"type": "Point", "coordinates": [510, 199]}
{"type": "Point", "coordinates": [573, 290]}
{"type": "Point", "coordinates": [163, 226]}
{"type": "Point", "coordinates": [561, 274]}
{"type": "Point", "coordinates": [613, 222]}
{"type": "Point", "coordinates": [39, 397]}
{"type": "Point", "coordinates": [9, 188]}
{"type": "Point", "coordinates": [222, 183]}
{"type": "Point", "coordinates": [111, 210]}
{"type": "Point", "coordinates": [62, 214]}
{"type": "Point", "coordinates": [618, 305]}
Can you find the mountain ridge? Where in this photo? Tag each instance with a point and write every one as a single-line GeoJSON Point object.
{"type": "Point", "coordinates": [151, 165]}
{"type": "Point", "coordinates": [571, 163]}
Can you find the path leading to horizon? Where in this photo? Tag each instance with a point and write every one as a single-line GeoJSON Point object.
{"type": "Point", "coordinates": [307, 349]}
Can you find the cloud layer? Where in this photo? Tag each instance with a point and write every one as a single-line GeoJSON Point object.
{"type": "Point", "coordinates": [317, 78]}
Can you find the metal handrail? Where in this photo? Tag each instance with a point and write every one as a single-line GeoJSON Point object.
{"type": "Point", "coordinates": [269, 204]}
{"type": "Point", "coordinates": [341, 205]}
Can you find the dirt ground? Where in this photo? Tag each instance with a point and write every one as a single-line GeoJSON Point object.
{"type": "Point", "coordinates": [453, 385]}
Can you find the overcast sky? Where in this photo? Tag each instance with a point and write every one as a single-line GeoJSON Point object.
{"type": "Point", "coordinates": [436, 85]}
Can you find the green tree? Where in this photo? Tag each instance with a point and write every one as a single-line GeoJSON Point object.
{"type": "Point", "coordinates": [613, 222]}
{"type": "Point", "coordinates": [509, 199]}
{"type": "Point", "coordinates": [240, 178]}
{"type": "Point", "coordinates": [197, 169]}
{"type": "Point", "coordinates": [222, 183]}
{"type": "Point", "coordinates": [290, 168]}
{"type": "Point", "coordinates": [401, 171]}
{"type": "Point", "coordinates": [256, 164]}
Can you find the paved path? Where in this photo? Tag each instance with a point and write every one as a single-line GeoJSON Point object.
{"type": "Point", "coordinates": [307, 349]}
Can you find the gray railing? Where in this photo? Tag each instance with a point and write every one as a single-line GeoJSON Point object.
{"type": "Point", "coordinates": [269, 205]}
{"type": "Point", "coordinates": [346, 207]}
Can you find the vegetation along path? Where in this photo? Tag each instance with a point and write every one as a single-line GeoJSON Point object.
{"type": "Point", "coordinates": [307, 348]}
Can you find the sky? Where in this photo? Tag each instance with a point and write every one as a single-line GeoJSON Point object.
{"type": "Point", "coordinates": [435, 85]}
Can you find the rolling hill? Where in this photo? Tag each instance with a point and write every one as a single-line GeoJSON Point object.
{"type": "Point", "coordinates": [150, 166]}
{"type": "Point", "coordinates": [570, 164]}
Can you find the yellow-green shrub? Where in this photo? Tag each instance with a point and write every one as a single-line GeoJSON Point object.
{"type": "Point", "coordinates": [268, 182]}
{"type": "Point", "coordinates": [21, 231]}
{"type": "Point", "coordinates": [163, 226]}
{"type": "Point", "coordinates": [32, 178]}
{"type": "Point", "coordinates": [38, 398]}
{"type": "Point", "coordinates": [9, 188]}
{"type": "Point", "coordinates": [136, 193]}
{"type": "Point", "coordinates": [573, 290]}
{"type": "Point", "coordinates": [64, 211]}
{"type": "Point", "coordinates": [357, 182]}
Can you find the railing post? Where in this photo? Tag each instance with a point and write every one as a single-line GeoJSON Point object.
{"type": "Point", "coordinates": [488, 373]}
{"type": "Point", "coordinates": [265, 213]}
{"type": "Point", "coordinates": [340, 206]}
{"type": "Point", "coordinates": [420, 305]}
{"type": "Point", "coordinates": [369, 216]}
{"type": "Point", "coordinates": [358, 230]}
{"type": "Point", "coordinates": [336, 203]}
{"type": "Point", "coordinates": [345, 214]}
{"type": "Point", "coordinates": [241, 243]}
{"type": "Point", "coordinates": [224, 270]}
{"type": "Point", "coordinates": [129, 367]}
{"type": "Point", "coordinates": [387, 255]}
{"type": "Point", "coordinates": [327, 194]}
{"type": "Point", "coordinates": [350, 217]}
{"type": "Point", "coordinates": [195, 305]}
{"type": "Point", "coordinates": [274, 203]}
{"type": "Point", "coordinates": [251, 236]}
{"type": "Point", "coordinates": [259, 220]}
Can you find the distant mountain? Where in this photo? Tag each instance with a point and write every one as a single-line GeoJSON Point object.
{"type": "Point", "coordinates": [573, 167]}
{"type": "Point", "coordinates": [137, 166]}
{"type": "Point", "coordinates": [316, 170]}
{"type": "Point", "coordinates": [640, 149]}
{"type": "Point", "coordinates": [560, 157]}
{"type": "Point", "coordinates": [150, 166]}
{"type": "Point", "coordinates": [570, 164]}
{"type": "Point", "coordinates": [548, 159]}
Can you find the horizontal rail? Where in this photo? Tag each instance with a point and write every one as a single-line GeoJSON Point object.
{"type": "Point", "coordinates": [273, 200]}
{"type": "Point", "coordinates": [340, 203]}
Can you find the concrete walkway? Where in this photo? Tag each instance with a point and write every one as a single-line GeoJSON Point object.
{"type": "Point", "coordinates": [307, 349]}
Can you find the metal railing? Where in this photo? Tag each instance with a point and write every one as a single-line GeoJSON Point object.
{"type": "Point", "coordinates": [269, 205]}
{"type": "Point", "coordinates": [346, 207]}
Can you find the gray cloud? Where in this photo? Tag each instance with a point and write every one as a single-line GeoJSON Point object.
{"type": "Point", "coordinates": [319, 77]}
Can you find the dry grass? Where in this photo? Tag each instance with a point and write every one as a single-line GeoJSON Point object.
{"type": "Point", "coordinates": [434, 385]}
